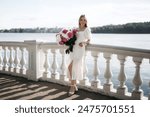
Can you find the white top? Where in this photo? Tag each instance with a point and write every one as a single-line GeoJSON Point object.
{"type": "Point", "coordinates": [78, 54]}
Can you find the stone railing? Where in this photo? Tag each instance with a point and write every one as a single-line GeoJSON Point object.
{"type": "Point", "coordinates": [47, 61]}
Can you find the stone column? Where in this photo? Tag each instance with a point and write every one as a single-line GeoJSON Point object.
{"type": "Point", "coordinates": [54, 74]}
{"type": "Point", "coordinates": [11, 60]}
{"type": "Point", "coordinates": [122, 89]}
{"type": "Point", "coordinates": [108, 73]}
{"type": "Point", "coordinates": [137, 93]}
{"type": "Point", "coordinates": [33, 71]}
{"type": "Point", "coordinates": [149, 92]}
{"type": "Point", "coordinates": [5, 68]}
{"type": "Point", "coordinates": [16, 61]}
{"type": "Point", "coordinates": [46, 73]}
{"type": "Point", "coordinates": [85, 80]}
{"type": "Point", "coordinates": [63, 65]}
{"type": "Point", "coordinates": [1, 60]}
{"type": "Point", "coordinates": [23, 62]}
{"type": "Point", "coordinates": [95, 82]}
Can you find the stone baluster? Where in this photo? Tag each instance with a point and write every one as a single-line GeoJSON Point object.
{"type": "Point", "coordinates": [137, 93]}
{"type": "Point", "coordinates": [5, 68]}
{"type": "Point", "coordinates": [46, 73]}
{"type": "Point", "coordinates": [149, 93]}
{"type": "Point", "coordinates": [108, 73]}
{"type": "Point", "coordinates": [1, 60]}
{"type": "Point", "coordinates": [23, 62]}
{"type": "Point", "coordinates": [54, 65]}
{"type": "Point", "coordinates": [16, 61]}
{"type": "Point", "coordinates": [95, 83]}
{"type": "Point", "coordinates": [122, 89]}
{"type": "Point", "coordinates": [11, 60]}
{"type": "Point", "coordinates": [85, 80]}
{"type": "Point", "coordinates": [63, 65]}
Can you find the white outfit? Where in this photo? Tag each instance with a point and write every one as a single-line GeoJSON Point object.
{"type": "Point", "coordinates": [78, 55]}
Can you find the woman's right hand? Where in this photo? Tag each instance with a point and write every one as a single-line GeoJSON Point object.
{"type": "Point", "coordinates": [81, 44]}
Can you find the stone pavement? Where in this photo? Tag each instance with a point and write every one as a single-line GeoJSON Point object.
{"type": "Point", "coordinates": [18, 88]}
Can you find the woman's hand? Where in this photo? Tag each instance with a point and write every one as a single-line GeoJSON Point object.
{"type": "Point", "coordinates": [81, 44]}
{"type": "Point", "coordinates": [88, 42]}
{"type": "Point", "coordinates": [84, 43]}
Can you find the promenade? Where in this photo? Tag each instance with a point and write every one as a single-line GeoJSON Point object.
{"type": "Point", "coordinates": [17, 88]}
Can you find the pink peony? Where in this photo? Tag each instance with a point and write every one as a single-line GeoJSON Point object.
{"type": "Point", "coordinates": [64, 31]}
{"type": "Point", "coordinates": [64, 40]}
{"type": "Point", "coordinates": [74, 31]}
{"type": "Point", "coordinates": [70, 34]}
{"type": "Point", "coordinates": [61, 43]}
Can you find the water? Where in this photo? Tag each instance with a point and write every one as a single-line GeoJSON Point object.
{"type": "Point", "coordinates": [126, 40]}
{"type": "Point", "coordinates": [141, 41]}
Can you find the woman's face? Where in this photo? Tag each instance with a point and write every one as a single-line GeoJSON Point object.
{"type": "Point", "coordinates": [83, 22]}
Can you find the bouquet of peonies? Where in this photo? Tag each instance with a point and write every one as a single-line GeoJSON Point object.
{"type": "Point", "coordinates": [67, 37]}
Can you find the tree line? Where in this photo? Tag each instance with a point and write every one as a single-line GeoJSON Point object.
{"type": "Point", "coordinates": [31, 30]}
{"type": "Point", "coordinates": [142, 27]}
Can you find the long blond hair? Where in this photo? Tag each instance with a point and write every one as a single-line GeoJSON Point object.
{"type": "Point", "coordinates": [80, 19]}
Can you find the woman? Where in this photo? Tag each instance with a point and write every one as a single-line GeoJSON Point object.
{"type": "Point", "coordinates": [76, 64]}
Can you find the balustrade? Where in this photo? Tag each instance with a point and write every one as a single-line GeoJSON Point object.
{"type": "Point", "coordinates": [39, 66]}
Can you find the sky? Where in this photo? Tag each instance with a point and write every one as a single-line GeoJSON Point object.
{"type": "Point", "coordinates": [65, 13]}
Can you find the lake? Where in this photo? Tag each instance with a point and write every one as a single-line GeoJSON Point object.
{"type": "Point", "coordinates": [141, 41]}
{"type": "Point", "coordinates": [126, 40]}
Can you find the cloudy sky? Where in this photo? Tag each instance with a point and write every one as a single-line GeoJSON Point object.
{"type": "Point", "coordinates": [62, 13]}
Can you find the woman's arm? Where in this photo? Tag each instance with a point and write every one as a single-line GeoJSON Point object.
{"type": "Point", "coordinates": [87, 37]}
